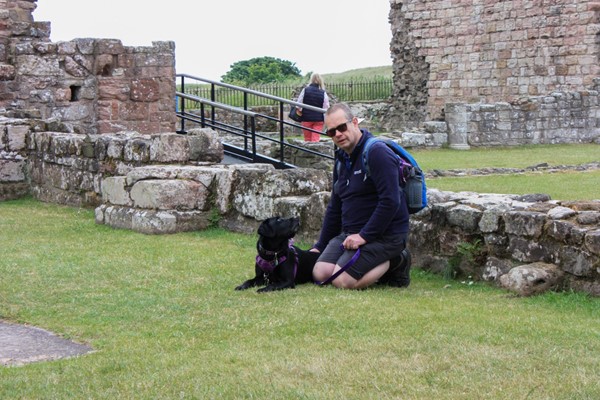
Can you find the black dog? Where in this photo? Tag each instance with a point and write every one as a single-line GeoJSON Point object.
{"type": "Point", "coordinates": [279, 264]}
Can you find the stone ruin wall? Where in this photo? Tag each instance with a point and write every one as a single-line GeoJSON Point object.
{"type": "Point", "coordinates": [167, 183]}
{"type": "Point", "coordinates": [483, 52]}
{"type": "Point", "coordinates": [93, 86]}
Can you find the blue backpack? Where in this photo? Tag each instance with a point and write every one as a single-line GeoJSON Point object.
{"type": "Point", "coordinates": [412, 178]}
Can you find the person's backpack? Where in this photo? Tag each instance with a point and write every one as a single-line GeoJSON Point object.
{"type": "Point", "coordinates": [412, 178]}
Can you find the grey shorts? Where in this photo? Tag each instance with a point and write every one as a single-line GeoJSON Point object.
{"type": "Point", "coordinates": [371, 254]}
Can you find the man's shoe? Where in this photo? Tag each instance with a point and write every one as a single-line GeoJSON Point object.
{"type": "Point", "coordinates": [399, 273]}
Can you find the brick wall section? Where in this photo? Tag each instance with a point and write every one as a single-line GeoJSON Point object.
{"type": "Point", "coordinates": [487, 51]}
{"type": "Point", "coordinates": [93, 85]}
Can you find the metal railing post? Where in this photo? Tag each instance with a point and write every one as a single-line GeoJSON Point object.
{"type": "Point", "coordinates": [253, 132]}
{"type": "Point", "coordinates": [182, 110]}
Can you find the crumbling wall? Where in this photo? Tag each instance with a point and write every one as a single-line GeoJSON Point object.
{"type": "Point", "coordinates": [93, 86]}
{"type": "Point", "coordinates": [170, 183]}
{"type": "Point", "coordinates": [490, 51]}
{"type": "Point", "coordinates": [485, 236]}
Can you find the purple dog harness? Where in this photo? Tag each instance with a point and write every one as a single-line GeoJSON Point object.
{"type": "Point", "coordinates": [269, 266]}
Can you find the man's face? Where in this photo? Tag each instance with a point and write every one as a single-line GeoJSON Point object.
{"type": "Point", "coordinates": [349, 138]}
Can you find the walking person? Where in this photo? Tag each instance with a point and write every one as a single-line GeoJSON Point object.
{"type": "Point", "coordinates": [313, 95]}
{"type": "Point", "coordinates": [366, 223]}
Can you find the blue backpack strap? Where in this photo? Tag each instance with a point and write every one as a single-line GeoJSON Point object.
{"type": "Point", "coordinates": [365, 155]}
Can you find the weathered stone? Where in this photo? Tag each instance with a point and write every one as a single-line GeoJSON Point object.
{"type": "Point", "coordinates": [12, 170]}
{"type": "Point", "coordinates": [494, 268]}
{"type": "Point", "coordinates": [592, 242]}
{"type": "Point", "coordinates": [169, 195]}
{"type": "Point", "coordinates": [16, 137]}
{"type": "Point", "coordinates": [205, 145]}
{"type": "Point", "coordinates": [410, 139]}
{"type": "Point", "coordinates": [578, 262]}
{"type": "Point", "coordinates": [114, 191]}
{"type": "Point", "coordinates": [464, 217]}
{"type": "Point", "coordinates": [115, 148]}
{"type": "Point", "coordinates": [169, 147]}
{"type": "Point", "coordinates": [532, 279]}
{"type": "Point", "coordinates": [560, 230]}
{"type": "Point", "coordinates": [525, 250]}
{"type": "Point", "coordinates": [561, 213]}
{"type": "Point", "coordinates": [154, 222]}
{"type": "Point", "coordinates": [254, 192]}
{"type": "Point", "coordinates": [490, 220]}
{"type": "Point", "coordinates": [137, 149]}
{"type": "Point", "coordinates": [524, 223]}
{"type": "Point", "coordinates": [588, 217]}
{"type": "Point", "coordinates": [534, 197]}
{"type": "Point", "coordinates": [145, 90]}
{"type": "Point", "coordinates": [116, 217]}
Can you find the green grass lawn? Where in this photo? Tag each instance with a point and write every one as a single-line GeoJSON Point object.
{"type": "Point", "coordinates": [162, 314]}
{"type": "Point", "coordinates": [560, 186]}
{"type": "Point", "coordinates": [507, 157]}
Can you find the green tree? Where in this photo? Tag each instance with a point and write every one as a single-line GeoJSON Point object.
{"type": "Point", "coordinates": [261, 70]}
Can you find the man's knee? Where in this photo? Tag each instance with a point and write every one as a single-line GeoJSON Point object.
{"type": "Point", "coordinates": [322, 271]}
{"type": "Point", "coordinates": [345, 281]}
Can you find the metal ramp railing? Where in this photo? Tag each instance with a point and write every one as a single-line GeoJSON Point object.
{"type": "Point", "coordinates": [203, 111]}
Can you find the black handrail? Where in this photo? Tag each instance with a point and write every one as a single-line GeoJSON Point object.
{"type": "Point", "coordinates": [248, 131]}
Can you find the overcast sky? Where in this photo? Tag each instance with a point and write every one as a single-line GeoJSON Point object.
{"type": "Point", "coordinates": [324, 36]}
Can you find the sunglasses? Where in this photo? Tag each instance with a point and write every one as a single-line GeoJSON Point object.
{"type": "Point", "coordinates": [341, 128]}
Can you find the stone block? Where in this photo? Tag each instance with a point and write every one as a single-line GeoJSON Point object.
{"type": "Point", "coordinates": [464, 217]}
{"type": "Point", "coordinates": [525, 250]}
{"type": "Point", "coordinates": [169, 147]}
{"type": "Point", "coordinates": [532, 279]}
{"type": "Point", "coordinates": [490, 220]}
{"type": "Point", "coordinates": [144, 90]}
{"type": "Point", "coordinates": [559, 230]}
{"type": "Point", "coordinates": [592, 242]}
{"type": "Point", "coordinates": [494, 268]}
{"type": "Point", "coordinates": [175, 194]}
{"type": "Point", "coordinates": [12, 170]}
{"type": "Point", "coordinates": [578, 262]}
{"type": "Point", "coordinates": [524, 223]}
{"type": "Point", "coordinates": [137, 149]}
{"type": "Point", "coordinates": [114, 191]}
{"type": "Point", "coordinates": [17, 135]}
{"type": "Point", "coordinates": [205, 145]}
{"type": "Point", "coordinates": [561, 213]}
{"type": "Point", "coordinates": [116, 217]}
{"type": "Point", "coordinates": [153, 222]}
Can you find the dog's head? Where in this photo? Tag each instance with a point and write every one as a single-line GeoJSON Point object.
{"type": "Point", "coordinates": [279, 228]}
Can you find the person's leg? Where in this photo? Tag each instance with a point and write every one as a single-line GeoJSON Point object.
{"type": "Point", "coordinates": [371, 264]}
{"type": "Point", "coordinates": [398, 275]}
{"type": "Point", "coordinates": [323, 270]}
{"type": "Point", "coordinates": [317, 126]}
{"type": "Point", "coordinates": [310, 136]}
{"type": "Point", "coordinates": [346, 281]}
{"type": "Point", "coordinates": [307, 134]}
{"type": "Point", "coordinates": [326, 264]}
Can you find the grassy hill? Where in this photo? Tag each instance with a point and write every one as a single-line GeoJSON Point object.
{"type": "Point", "coordinates": [369, 73]}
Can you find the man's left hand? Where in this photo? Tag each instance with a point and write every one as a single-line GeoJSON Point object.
{"type": "Point", "coordinates": [353, 242]}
